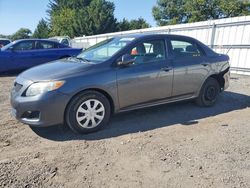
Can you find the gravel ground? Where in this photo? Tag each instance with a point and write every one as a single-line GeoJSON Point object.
{"type": "Point", "coordinates": [177, 145]}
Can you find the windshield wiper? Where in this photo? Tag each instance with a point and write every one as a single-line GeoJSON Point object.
{"type": "Point", "coordinates": [83, 59]}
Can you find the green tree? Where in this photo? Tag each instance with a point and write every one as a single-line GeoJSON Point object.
{"type": "Point", "coordinates": [81, 17]}
{"type": "Point", "coordinates": [4, 36]}
{"type": "Point", "coordinates": [123, 25]}
{"type": "Point", "coordinates": [56, 5]}
{"type": "Point", "coordinates": [139, 24]}
{"type": "Point", "coordinates": [62, 22]}
{"type": "Point", "coordinates": [42, 30]}
{"type": "Point", "coordinates": [232, 8]}
{"type": "Point", "coordinates": [126, 25]}
{"type": "Point", "coordinates": [22, 33]}
{"type": "Point", "coordinates": [168, 12]}
{"type": "Point", "coordinates": [101, 17]}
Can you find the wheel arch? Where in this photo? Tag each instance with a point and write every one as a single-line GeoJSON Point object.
{"type": "Point", "coordinates": [103, 92]}
{"type": "Point", "coordinates": [220, 78]}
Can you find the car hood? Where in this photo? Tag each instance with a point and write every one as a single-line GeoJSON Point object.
{"type": "Point", "coordinates": [56, 70]}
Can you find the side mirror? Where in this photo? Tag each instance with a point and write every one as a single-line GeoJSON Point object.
{"type": "Point", "coordinates": [126, 60]}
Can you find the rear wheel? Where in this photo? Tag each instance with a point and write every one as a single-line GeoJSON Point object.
{"type": "Point", "coordinates": [88, 112]}
{"type": "Point", "coordinates": [209, 93]}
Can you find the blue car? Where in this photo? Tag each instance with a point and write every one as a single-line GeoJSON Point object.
{"type": "Point", "coordinates": [26, 53]}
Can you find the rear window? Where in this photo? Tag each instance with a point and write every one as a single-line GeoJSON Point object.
{"type": "Point", "coordinates": [182, 48]}
{"type": "Point", "coordinates": [45, 45]}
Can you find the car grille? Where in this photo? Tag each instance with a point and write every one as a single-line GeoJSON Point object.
{"type": "Point", "coordinates": [17, 87]}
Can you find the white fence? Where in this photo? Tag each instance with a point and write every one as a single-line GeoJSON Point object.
{"type": "Point", "coordinates": [230, 35]}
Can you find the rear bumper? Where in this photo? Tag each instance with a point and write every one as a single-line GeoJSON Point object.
{"type": "Point", "coordinates": [43, 111]}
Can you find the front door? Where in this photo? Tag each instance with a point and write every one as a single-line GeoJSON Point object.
{"type": "Point", "coordinates": [149, 78]}
{"type": "Point", "coordinates": [23, 55]}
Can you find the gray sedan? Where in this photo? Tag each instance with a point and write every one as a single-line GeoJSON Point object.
{"type": "Point", "coordinates": [117, 75]}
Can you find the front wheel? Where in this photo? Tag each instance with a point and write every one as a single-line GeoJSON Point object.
{"type": "Point", "coordinates": [209, 93]}
{"type": "Point", "coordinates": [88, 112]}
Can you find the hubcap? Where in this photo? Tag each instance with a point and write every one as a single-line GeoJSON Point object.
{"type": "Point", "coordinates": [90, 113]}
{"type": "Point", "coordinates": [210, 93]}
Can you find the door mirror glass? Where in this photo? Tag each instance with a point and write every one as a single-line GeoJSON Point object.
{"type": "Point", "coordinates": [127, 60]}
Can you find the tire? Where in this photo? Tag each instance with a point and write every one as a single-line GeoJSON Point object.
{"type": "Point", "coordinates": [208, 93]}
{"type": "Point", "coordinates": [88, 112]}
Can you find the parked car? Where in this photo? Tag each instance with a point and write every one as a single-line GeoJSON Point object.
{"type": "Point", "coordinates": [62, 39]}
{"type": "Point", "coordinates": [23, 54]}
{"type": "Point", "coordinates": [4, 42]}
{"type": "Point", "coordinates": [117, 75]}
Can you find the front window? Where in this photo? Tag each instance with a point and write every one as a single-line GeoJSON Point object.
{"type": "Point", "coordinates": [22, 46]}
{"type": "Point", "coordinates": [148, 52]}
{"type": "Point", "coordinates": [105, 49]}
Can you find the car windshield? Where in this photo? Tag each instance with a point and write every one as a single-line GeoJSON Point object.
{"type": "Point", "coordinates": [104, 50]}
{"type": "Point", "coordinates": [7, 46]}
{"type": "Point", "coordinates": [4, 42]}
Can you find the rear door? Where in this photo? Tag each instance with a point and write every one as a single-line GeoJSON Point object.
{"type": "Point", "coordinates": [47, 51]}
{"type": "Point", "coordinates": [190, 65]}
{"type": "Point", "coordinates": [149, 78]}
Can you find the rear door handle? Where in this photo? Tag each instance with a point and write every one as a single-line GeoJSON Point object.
{"type": "Point", "coordinates": [166, 69]}
{"type": "Point", "coordinates": [204, 64]}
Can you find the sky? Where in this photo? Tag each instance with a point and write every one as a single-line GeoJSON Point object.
{"type": "Point", "coordinates": [15, 14]}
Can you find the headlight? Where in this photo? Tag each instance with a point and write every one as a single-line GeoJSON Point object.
{"type": "Point", "coordinates": [42, 87]}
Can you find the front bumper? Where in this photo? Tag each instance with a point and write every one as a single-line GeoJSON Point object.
{"type": "Point", "coordinates": [41, 111]}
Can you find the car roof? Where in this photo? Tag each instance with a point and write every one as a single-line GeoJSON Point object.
{"type": "Point", "coordinates": [182, 37]}
{"type": "Point", "coordinates": [45, 40]}
{"type": "Point", "coordinates": [142, 35]}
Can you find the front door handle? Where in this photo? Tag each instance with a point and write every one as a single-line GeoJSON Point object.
{"type": "Point", "coordinates": [166, 69]}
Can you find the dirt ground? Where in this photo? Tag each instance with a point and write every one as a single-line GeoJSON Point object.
{"type": "Point", "coordinates": [177, 145]}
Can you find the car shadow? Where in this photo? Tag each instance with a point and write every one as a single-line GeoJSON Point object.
{"type": "Point", "coordinates": [10, 73]}
{"type": "Point", "coordinates": [184, 113]}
